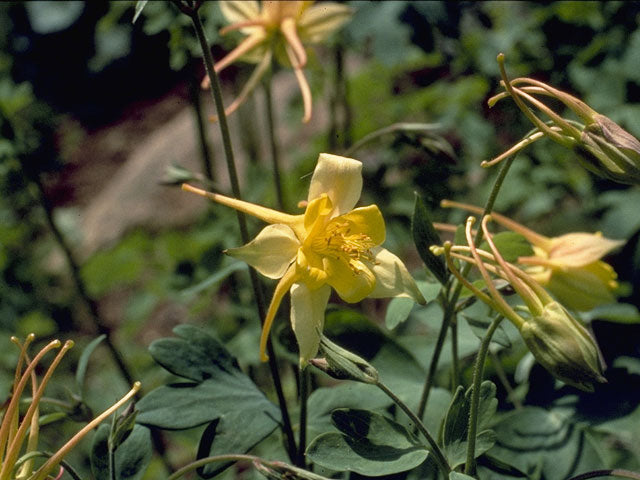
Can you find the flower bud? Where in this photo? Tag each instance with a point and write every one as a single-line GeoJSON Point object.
{"type": "Point", "coordinates": [564, 347]}
{"type": "Point", "coordinates": [344, 365]}
{"type": "Point", "coordinates": [610, 151]}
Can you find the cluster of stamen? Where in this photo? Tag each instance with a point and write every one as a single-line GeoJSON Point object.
{"type": "Point", "coordinates": [340, 243]}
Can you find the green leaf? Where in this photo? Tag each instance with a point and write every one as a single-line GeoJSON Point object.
{"type": "Point", "coordinates": [344, 395]}
{"type": "Point", "coordinates": [140, 4]}
{"type": "Point", "coordinates": [83, 362]}
{"type": "Point", "coordinates": [398, 311]}
{"type": "Point", "coordinates": [547, 443]}
{"type": "Point", "coordinates": [369, 444]}
{"type": "Point", "coordinates": [425, 235]}
{"type": "Point", "coordinates": [217, 277]}
{"type": "Point", "coordinates": [480, 325]}
{"type": "Point", "coordinates": [131, 457]}
{"type": "Point", "coordinates": [238, 413]}
{"type": "Point", "coordinates": [396, 366]}
{"type": "Point", "coordinates": [615, 312]}
{"type": "Point", "coordinates": [456, 423]}
{"type": "Point", "coordinates": [511, 245]}
{"type": "Point", "coordinates": [459, 476]}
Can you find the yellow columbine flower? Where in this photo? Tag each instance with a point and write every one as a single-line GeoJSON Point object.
{"type": "Point", "coordinates": [281, 29]}
{"type": "Point", "coordinates": [331, 245]}
{"type": "Point", "coordinates": [569, 266]}
{"type": "Point", "coordinates": [15, 430]}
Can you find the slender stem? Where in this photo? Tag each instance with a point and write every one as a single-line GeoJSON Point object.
{"type": "Point", "coordinates": [435, 449]}
{"type": "Point", "coordinates": [273, 143]}
{"type": "Point", "coordinates": [613, 472]}
{"type": "Point", "coordinates": [304, 397]}
{"type": "Point", "coordinates": [196, 103]}
{"type": "Point", "coordinates": [74, 268]}
{"type": "Point", "coordinates": [455, 363]}
{"type": "Point", "coordinates": [449, 312]}
{"type": "Point", "coordinates": [478, 371]}
{"type": "Point", "coordinates": [216, 93]}
{"type": "Point", "coordinates": [511, 396]}
{"type": "Point", "coordinates": [395, 127]}
{"type": "Point", "coordinates": [449, 307]}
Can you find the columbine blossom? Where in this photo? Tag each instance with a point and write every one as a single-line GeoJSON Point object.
{"type": "Point", "coordinates": [569, 266]}
{"type": "Point", "coordinates": [16, 430]}
{"type": "Point", "coordinates": [331, 245]}
{"type": "Point", "coordinates": [558, 341]}
{"type": "Point", "coordinates": [280, 30]}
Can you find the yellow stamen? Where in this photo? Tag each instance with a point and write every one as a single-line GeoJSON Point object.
{"type": "Point", "coordinates": [339, 243]}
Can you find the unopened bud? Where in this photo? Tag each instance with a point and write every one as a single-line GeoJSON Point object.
{"type": "Point", "coordinates": [610, 151]}
{"type": "Point", "coordinates": [344, 365]}
{"type": "Point", "coordinates": [564, 347]}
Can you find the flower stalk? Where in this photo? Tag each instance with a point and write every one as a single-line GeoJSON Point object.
{"type": "Point", "coordinates": [216, 93]}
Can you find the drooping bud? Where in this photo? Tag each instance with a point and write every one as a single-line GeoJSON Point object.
{"type": "Point", "coordinates": [564, 347]}
{"type": "Point", "coordinates": [610, 151]}
{"type": "Point", "coordinates": [603, 147]}
{"type": "Point", "coordinates": [344, 365]}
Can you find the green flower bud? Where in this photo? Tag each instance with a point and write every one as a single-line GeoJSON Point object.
{"type": "Point", "coordinates": [563, 346]}
{"type": "Point", "coordinates": [610, 151]}
{"type": "Point", "coordinates": [344, 365]}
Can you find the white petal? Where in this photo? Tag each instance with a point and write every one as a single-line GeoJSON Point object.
{"type": "Point", "coordinates": [392, 277]}
{"type": "Point", "coordinates": [307, 318]}
{"type": "Point", "coordinates": [321, 20]}
{"type": "Point", "coordinates": [235, 11]}
{"type": "Point", "coordinates": [271, 252]}
{"type": "Point", "coordinates": [340, 178]}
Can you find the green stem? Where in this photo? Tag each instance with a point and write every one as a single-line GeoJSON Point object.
{"type": "Point", "coordinates": [273, 143]}
{"type": "Point", "coordinates": [216, 93]}
{"type": "Point", "coordinates": [435, 449]}
{"type": "Point", "coordinates": [196, 102]}
{"type": "Point", "coordinates": [511, 395]}
{"type": "Point", "coordinates": [478, 371]}
{"type": "Point", "coordinates": [449, 307]}
{"type": "Point", "coordinates": [613, 472]}
{"type": "Point", "coordinates": [74, 268]}
{"type": "Point", "coordinates": [393, 128]}
{"type": "Point", "coordinates": [455, 362]}
{"type": "Point", "coordinates": [304, 397]}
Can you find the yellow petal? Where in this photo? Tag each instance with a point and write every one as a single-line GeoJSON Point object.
{"type": "Point", "coordinates": [580, 249]}
{"type": "Point", "coordinates": [307, 318]}
{"type": "Point", "coordinates": [316, 216]}
{"type": "Point", "coordinates": [584, 288]}
{"type": "Point", "coordinates": [340, 178]}
{"type": "Point", "coordinates": [366, 220]}
{"type": "Point", "coordinates": [392, 277]}
{"type": "Point", "coordinates": [352, 286]}
{"type": "Point", "coordinates": [319, 21]}
{"type": "Point", "coordinates": [235, 11]}
{"type": "Point", "coordinates": [285, 283]}
{"type": "Point", "coordinates": [271, 252]}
